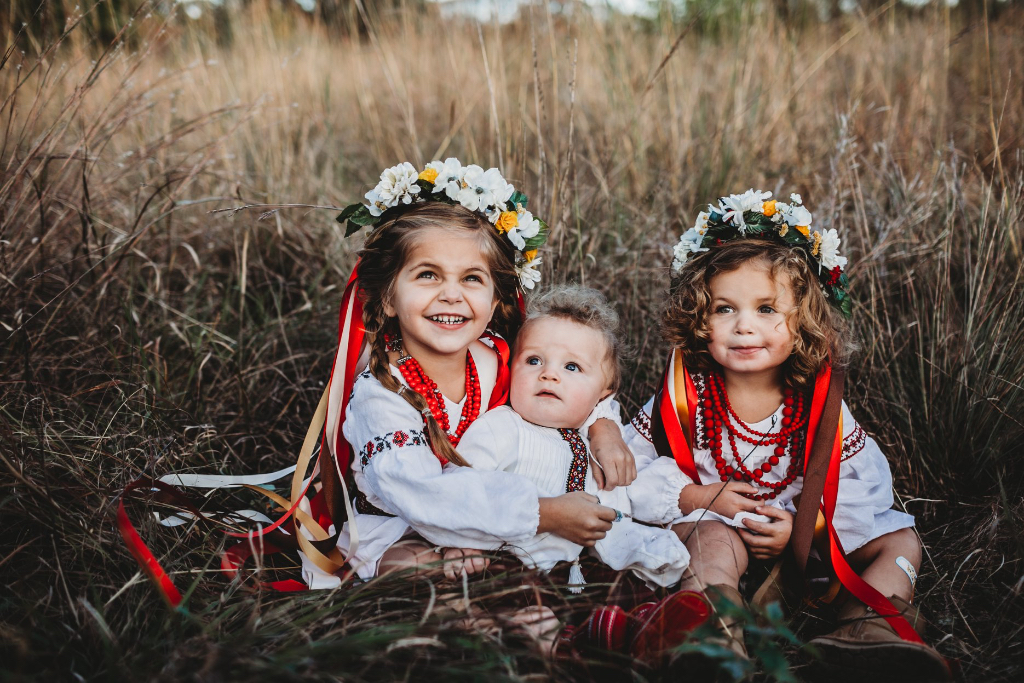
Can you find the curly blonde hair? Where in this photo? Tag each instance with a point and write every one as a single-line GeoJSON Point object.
{"type": "Point", "coordinates": [384, 255]}
{"type": "Point", "coordinates": [820, 333]}
{"type": "Point", "coordinates": [588, 307]}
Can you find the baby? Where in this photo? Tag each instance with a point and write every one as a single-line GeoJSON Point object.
{"type": "Point", "coordinates": [565, 363]}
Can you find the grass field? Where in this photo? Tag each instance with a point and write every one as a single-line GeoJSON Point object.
{"type": "Point", "coordinates": [142, 334]}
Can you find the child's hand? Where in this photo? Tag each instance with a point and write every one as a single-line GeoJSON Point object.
{"type": "Point", "coordinates": [576, 517]}
{"type": "Point", "coordinates": [766, 540]}
{"type": "Point", "coordinates": [726, 499]}
{"type": "Point", "coordinates": [617, 466]}
{"type": "Point", "coordinates": [458, 561]}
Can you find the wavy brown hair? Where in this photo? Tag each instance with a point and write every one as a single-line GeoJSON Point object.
{"type": "Point", "coordinates": [384, 255]}
{"type": "Point", "coordinates": [821, 334]}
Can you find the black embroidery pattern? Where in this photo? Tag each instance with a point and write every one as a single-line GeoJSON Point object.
{"type": "Point", "coordinates": [642, 424]}
{"type": "Point", "coordinates": [699, 438]}
{"type": "Point", "coordinates": [396, 439]}
{"type": "Point", "coordinates": [854, 443]}
{"type": "Point", "coordinates": [578, 468]}
{"type": "Point", "coordinates": [364, 374]}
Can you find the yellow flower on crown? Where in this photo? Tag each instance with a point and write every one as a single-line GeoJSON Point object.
{"type": "Point", "coordinates": [783, 229]}
{"type": "Point", "coordinates": [428, 174]}
{"type": "Point", "coordinates": [506, 221]}
{"type": "Point", "coordinates": [768, 208]}
{"type": "Point", "coordinates": [530, 255]}
{"type": "Point", "coordinates": [815, 243]}
{"type": "Point", "coordinates": [805, 230]}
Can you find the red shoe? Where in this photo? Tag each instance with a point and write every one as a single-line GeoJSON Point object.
{"type": "Point", "coordinates": [607, 628]}
{"type": "Point", "coordinates": [641, 612]}
{"type": "Point", "coordinates": [667, 625]}
{"type": "Point", "coordinates": [565, 643]}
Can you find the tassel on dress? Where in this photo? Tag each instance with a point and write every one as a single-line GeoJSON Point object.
{"type": "Point", "coordinates": [576, 580]}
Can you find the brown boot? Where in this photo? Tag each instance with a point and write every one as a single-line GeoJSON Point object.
{"type": "Point", "coordinates": [866, 645]}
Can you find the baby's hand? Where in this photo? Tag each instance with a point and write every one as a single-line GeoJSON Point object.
{"type": "Point", "coordinates": [766, 540]}
{"type": "Point", "coordinates": [616, 464]}
{"type": "Point", "coordinates": [726, 499]}
{"type": "Point", "coordinates": [458, 561]}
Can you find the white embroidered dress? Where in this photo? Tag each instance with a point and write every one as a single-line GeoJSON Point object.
{"type": "Point", "coordinates": [865, 499]}
{"type": "Point", "coordinates": [397, 472]}
{"type": "Point", "coordinates": [557, 461]}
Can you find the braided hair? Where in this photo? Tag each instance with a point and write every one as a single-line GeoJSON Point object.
{"type": "Point", "coordinates": [382, 258]}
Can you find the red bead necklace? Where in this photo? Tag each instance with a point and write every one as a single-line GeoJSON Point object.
{"type": "Point", "coordinates": [419, 382]}
{"type": "Point", "coordinates": [719, 416]}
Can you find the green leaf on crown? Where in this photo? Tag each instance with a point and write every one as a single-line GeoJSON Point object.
{"type": "Point", "coordinates": [517, 198]}
{"type": "Point", "coordinates": [846, 306]}
{"type": "Point", "coordinates": [425, 185]}
{"type": "Point", "coordinates": [759, 229]}
{"type": "Point", "coordinates": [357, 215]}
{"type": "Point", "coordinates": [538, 240]}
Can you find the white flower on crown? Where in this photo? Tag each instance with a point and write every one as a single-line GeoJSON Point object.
{"type": "Point", "coordinates": [781, 210]}
{"type": "Point", "coordinates": [796, 199]}
{"type": "Point", "coordinates": [527, 227]}
{"type": "Point", "coordinates": [733, 206]}
{"type": "Point", "coordinates": [830, 257]}
{"type": "Point", "coordinates": [797, 215]}
{"type": "Point", "coordinates": [449, 176]}
{"type": "Point", "coordinates": [397, 186]}
{"type": "Point", "coordinates": [528, 273]}
{"type": "Point", "coordinates": [484, 191]}
{"type": "Point", "coordinates": [701, 224]}
{"type": "Point", "coordinates": [689, 243]}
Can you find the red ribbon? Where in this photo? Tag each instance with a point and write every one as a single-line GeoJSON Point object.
{"type": "Point", "coordinates": [667, 430]}
{"type": "Point", "coordinates": [146, 559]}
{"type": "Point", "coordinates": [235, 556]}
{"type": "Point", "coordinates": [357, 333]}
{"type": "Point", "coordinates": [499, 395]}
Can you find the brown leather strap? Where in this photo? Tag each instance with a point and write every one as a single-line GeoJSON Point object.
{"type": "Point", "coordinates": [817, 469]}
{"type": "Point", "coordinates": [333, 496]}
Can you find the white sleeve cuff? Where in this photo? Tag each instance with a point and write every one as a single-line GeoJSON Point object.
{"type": "Point", "coordinates": [608, 409]}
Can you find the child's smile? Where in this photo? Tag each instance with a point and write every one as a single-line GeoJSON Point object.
{"type": "Point", "coordinates": [749, 332]}
{"type": "Point", "coordinates": [444, 295]}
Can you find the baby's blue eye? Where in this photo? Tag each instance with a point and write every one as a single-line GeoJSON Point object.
{"type": "Point", "coordinates": [533, 360]}
{"type": "Point", "coordinates": [572, 367]}
{"type": "Point", "coordinates": [723, 309]}
{"type": "Point", "coordinates": [426, 274]}
{"type": "Point", "coordinates": [766, 309]}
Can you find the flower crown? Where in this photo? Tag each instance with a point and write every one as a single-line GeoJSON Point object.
{"type": "Point", "coordinates": [484, 192]}
{"type": "Point", "coordinates": [754, 214]}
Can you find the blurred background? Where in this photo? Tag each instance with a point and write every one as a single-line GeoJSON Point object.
{"type": "Point", "coordinates": [151, 323]}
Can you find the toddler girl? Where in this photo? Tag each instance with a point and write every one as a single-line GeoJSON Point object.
{"type": "Point", "coordinates": [750, 414]}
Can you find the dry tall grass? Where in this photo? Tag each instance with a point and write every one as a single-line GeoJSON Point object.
{"type": "Point", "coordinates": [143, 334]}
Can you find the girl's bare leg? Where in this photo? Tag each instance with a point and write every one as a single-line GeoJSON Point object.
{"type": "Point", "coordinates": [718, 555]}
{"type": "Point", "coordinates": [876, 562]}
